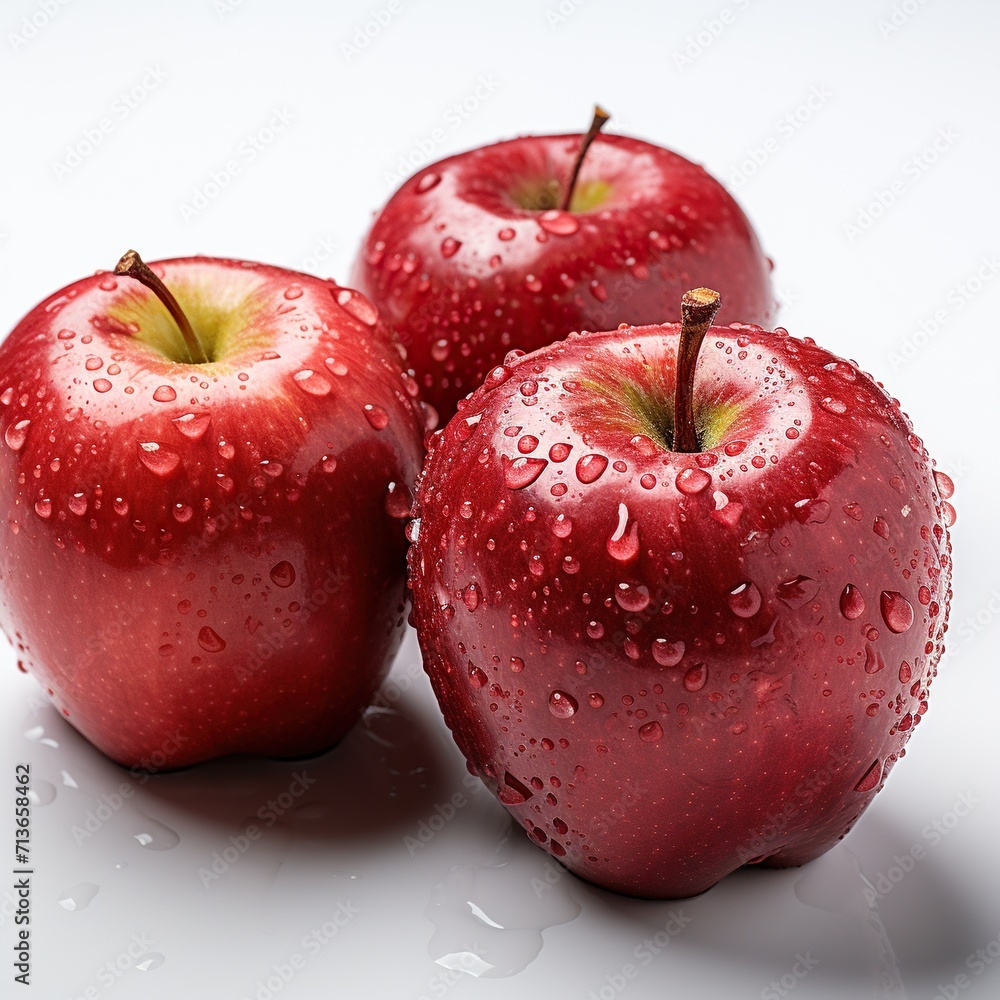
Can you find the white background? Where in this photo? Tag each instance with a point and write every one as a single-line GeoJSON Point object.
{"type": "Point", "coordinates": [451, 75]}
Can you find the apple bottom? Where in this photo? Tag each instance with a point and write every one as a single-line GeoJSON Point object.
{"type": "Point", "coordinates": [166, 666]}
{"type": "Point", "coordinates": [668, 821]}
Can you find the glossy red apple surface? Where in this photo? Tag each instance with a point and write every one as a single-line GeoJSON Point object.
{"type": "Point", "coordinates": [670, 664]}
{"type": "Point", "coordinates": [472, 256]}
{"type": "Point", "coordinates": [202, 559]}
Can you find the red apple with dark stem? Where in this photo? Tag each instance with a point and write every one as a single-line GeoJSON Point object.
{"type": "Point", "coordinates": [203, 482]}
{"type": "Point", "coordinates": [514, 245]}
{"type": "Point", "coordinates": [681, 617]}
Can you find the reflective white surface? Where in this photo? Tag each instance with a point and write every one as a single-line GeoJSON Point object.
{"type": "Point", "coordinates": [868, 164]}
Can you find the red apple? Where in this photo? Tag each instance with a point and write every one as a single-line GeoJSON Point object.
{"type": "Point", "coordinates": [669, 652]}
{"type": "Point", "coordinates": [505, 247]}
{"type": "Point", "coordinates": [203, 552]}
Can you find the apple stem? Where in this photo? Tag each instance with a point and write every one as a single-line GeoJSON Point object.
{"type": "Point", "coordinates": [600, 118]}
{"type": "Point", "coordinates": [698, 309]}
{"type": "Point", "coordinates": [133, 266]}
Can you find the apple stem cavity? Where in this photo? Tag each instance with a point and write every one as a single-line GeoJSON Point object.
{"type": "Point", "coordinates": [133, 266]}
{"type": "Point", "coordinates": [597, 123]}
{"type": "Point", "coordinates": [698, 309]}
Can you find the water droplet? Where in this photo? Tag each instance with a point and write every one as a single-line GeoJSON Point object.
{"type": "Point", "coordinates": [632, 597]}
{"type": "Point", "coordinates": [896, 611]}
{"type": "Point", "coordinates": [522, 472]}
{"type": "Point", "coordinates": [293, 292]}
{"type": "Point", "coordinates": [590, 468]}
{"type": "Point", "coordinates": [43, 508]}
{"type": "Point", "coordinates": [282, 574]}
{"type": "Point", "coordinates": [312, 382]}
{"type": "Point", "coordinates": [506, 234]}
{"type": "Point", "coordinates": [562, 705]}
{"type": "Point", "coordinates": [77, 504]}
{"type": "Point", "coordinates": [79, 896]}
{"type": "Point", "coordinates": [562, 526]}
{"type": "Point", "coordinates": [193, 425]}
{"type": "Point", "coordinates": [376, 416]}
{"type": "Point", "coordinates": [357, 305]}
{"type": "Point", "coordinates": [852, 604]}
{"type": "Point", "coordinates": [516, 664]}
{"type": "Point", "coordinates": [471, 596]}
{"type": "Point", "coordinates": [623, 544]}
{"type": "Point", "coordinates": [853, 510]}
{"type": "Point", "coordinates": [651, 732]}
{"type": "Point", "coordinates": [210, 640]}
{"type": "Point", "coordinates": [527, 443]}
{"type": "Point", "coordinates": [832, 405]}
{"type": "Point", "coordinates": [695, 678]}
{"type": "Point", "coordinates": [881, 527]}
{"type": "Point", "coordinates": [595, 700]}
{"type": "Point", "coordinates": [154, 835]}
{"type": "Point", "coordinates": [165, 394]}
{"type": "Point", "coordinates": [945, 485]}
{"type": "Point", "coordinates": [16, 434]}
{"type": "Point", "coordinates": [812, 511]}
{"type": "Point", "coordinates": [102, 385]}
{"type": "Point", "coordinates": [691, 481]}
{"type": "Point", "coordinates": [427, 182]}
{"type": "Point", "coordinates": [93, 363]}
{"type": "Point", "coordinates": [398, 500]}
{"type": "Point", "coordinates": [873, 659]}
{"type": "Point", "coordinates": [871, 778]}
{"type": "Point", "coordinates": [798, 591]}
{"type": "Point", "coordinates": [559, 223]}
{"type": "Point", "coordinates": [948, 513]}
{"type": "Point", "coordinates": [477, 677]}
{"type": "Point", "coordinates": [161, 461]}
{"type": "Point", "coordinates": [668, 653]}
{"type": "Point", "coordinates": [450, 246]}
{"type": "Point", "coordinates": [337, 367]}
{"type": "Point", "coordinates": [744, 600]}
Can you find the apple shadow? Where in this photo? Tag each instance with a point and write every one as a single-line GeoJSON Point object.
{"type": "Point", "coordinates": [871, 943]}
{"type": "Point", "coordinates": [381, 779]}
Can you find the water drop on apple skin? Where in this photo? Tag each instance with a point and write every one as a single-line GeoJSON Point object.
{"type": "Point", "coordinates": [562, 705]}
{"type": "Point", "coordinates": [897, 612]}
{"type": "Point", "coordinates": [744, 600]}
{"type": "Point", "coordinates": [282, 574]}
{"type": "Point", "coordinates": [852, 603]}
{"type": "Point", "coordinates": [210, 640]}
